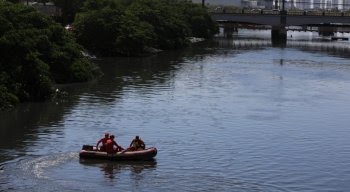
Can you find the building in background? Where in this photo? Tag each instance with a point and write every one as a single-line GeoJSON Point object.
{"type": "Point", "coordinates": [47, 8]}
{"type": "Point", "coordinates": [220, 2]}
{"type": "Point", "coordinates": [346, 4]}
{"type": "Point", "coordinates": [261, 4]}
{"type": "Point", "coordinates": [339, 4]}
{"type": "Point", "coordinates": [269, 4]}
{"type": "Point", "coordinates": [314, 4]}
{"type": "Point", "coordinates": [303, 4]}
{"type": "Point", "coordinates": [317, 4]}
{"type": "Point", "coordinates": [289, 4]}
{"type": "Point", "coordinates": [249, 3]}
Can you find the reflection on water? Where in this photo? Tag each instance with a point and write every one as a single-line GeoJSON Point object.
{"type": "Point", "coordinates": [304, 41]}
{"type": "Point", "coordinates": [27, 124]}
{"type": "Point", "coordinates": [307, 39]}
{"type": "Point", "coordinates": [110, 168]}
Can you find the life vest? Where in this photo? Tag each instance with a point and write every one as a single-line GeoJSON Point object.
{"type": "Point", "coordinates": [136, 143]}
{"type": "Point", "coordinates": [104, 141]}
{"type": "Point", "coordinates": [109, 146]}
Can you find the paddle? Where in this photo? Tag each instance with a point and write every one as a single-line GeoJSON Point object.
{"type": "Point", "coordinates": [123, 151]}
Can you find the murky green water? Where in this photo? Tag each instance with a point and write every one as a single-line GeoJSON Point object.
{"type": "Point", "coordinates": [227, 115]}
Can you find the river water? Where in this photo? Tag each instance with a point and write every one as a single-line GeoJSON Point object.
{"type": "Point", "coordinates": [227, 115]}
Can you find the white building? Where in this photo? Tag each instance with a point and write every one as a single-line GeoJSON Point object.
{"type": "Point", "coordinates": [262, 4]}
{"type": "Point", "coordinates": [220, 2]}
{"type": "Point", "coordinates": [289, 4]}
{"type": "Point", "coordinates": [346, 4]}
{"type": "Point", "coordinates": [314, 4]}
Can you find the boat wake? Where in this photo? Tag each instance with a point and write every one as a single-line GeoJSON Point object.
{"type": "Point", "coordinates": [38, 166]}
{"type": "Point", "coordinates": [23, 174]}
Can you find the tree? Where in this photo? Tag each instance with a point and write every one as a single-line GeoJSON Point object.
{"type": "Point", "coordinates": [129, 27]}
{"type": "Point", "coordinates": [169, 24]}
{"type": "Point", "coordinates": [200, 22]}
{"type": "Point", "coordinates": [135, 35]}
{"type": "Point", "coordinates": [106, 28]}
{"type": "Point", "coordinates": [98, 30]}
{"type": "Point", "coordinates": [35, 53]}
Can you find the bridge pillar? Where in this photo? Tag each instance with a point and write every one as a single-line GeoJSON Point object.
{"type": "Point", "coordinates": [229, 29]}
{"type": "Point", "coordinates": [278, 36]}
{"type": "Point", "coordinates": [326, 31]}
{"type": "Point", "coordinates": [279, 32]}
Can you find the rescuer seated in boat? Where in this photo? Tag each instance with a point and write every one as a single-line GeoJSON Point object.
{"type": "Point", "coordinates": [103, 141]}
{"type": "Point", "coordinates": [136, 144]}
{"type": "Point", "coordinates": [112, 146]}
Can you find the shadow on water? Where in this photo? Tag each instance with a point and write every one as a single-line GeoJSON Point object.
{"type": "Point", "coordinates": [110, 169]}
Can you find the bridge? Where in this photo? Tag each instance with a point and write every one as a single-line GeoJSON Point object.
{"type": "Point", "coordinates": [273, 18]}
{"type": "Point", "coordinates": [280, 20]}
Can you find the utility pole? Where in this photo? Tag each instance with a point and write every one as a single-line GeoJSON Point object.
{"type": "Point", "coordinates": [203, 3]}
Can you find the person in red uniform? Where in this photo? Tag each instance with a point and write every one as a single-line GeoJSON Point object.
{"type": "Point", "coordinates": [136, 144]}
{"type": "Point", "coordinates": [103, 141]}
{"type": "Point", "coordinates": [110, 145]}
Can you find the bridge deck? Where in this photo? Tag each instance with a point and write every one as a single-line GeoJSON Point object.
{"type": "Point", "coordinates": [273, 18]}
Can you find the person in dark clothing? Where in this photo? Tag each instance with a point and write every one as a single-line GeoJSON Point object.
{"type": "Point", "coordinates": [137, 144]}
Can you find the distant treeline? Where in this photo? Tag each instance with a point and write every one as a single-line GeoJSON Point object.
{"type": "Point", "coordinates": [131, 27]}
{"type": "Point", "coordinates": [36, 52]}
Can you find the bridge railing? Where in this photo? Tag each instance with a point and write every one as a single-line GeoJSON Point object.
{"type": "Point", "coordinates": [270, 12]}
{"type": "Point", "coordinates": [295, 13]}
{"type": "Point", "coordinates": [314, 13]}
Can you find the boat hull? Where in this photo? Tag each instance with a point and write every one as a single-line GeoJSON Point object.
{"type": "Point", "coordinates": [142, 155]}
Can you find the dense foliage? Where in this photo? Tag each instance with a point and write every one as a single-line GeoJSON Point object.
{"type": "Point", "coordinates": [199, 20]}
{"type": "Point", "coordinates": [130, 27]}
{"type": "Point", "coordinates": [35, 53]}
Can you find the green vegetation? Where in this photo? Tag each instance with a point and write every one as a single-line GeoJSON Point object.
{"type": "Point", "coordinates": [130, 27]}
{"type": "Point", "coordinates": [35, 53]}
